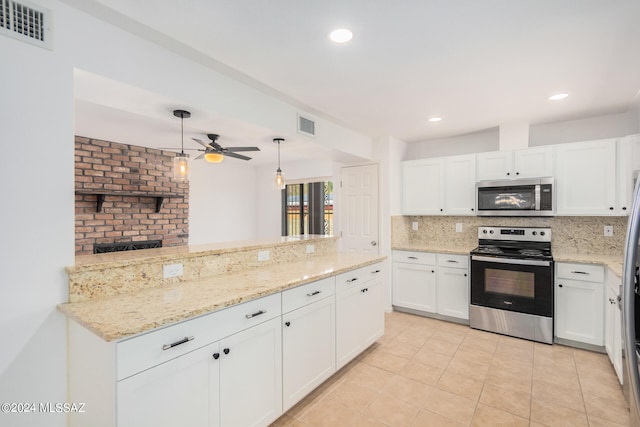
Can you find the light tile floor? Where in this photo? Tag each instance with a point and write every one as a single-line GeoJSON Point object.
{"type": "Point", "coordinates": [427, 372]}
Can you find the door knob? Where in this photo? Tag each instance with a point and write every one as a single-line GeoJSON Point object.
{"type": "Point", "coordinates": [374, 243]}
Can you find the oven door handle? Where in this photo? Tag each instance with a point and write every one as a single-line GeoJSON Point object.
{"type": "Point", "coordinates": [510, 261]}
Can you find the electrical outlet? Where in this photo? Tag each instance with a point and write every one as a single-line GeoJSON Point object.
{"type": "Point", "coordinates": [608, 230]}
{"type": "Point", "coordinates": [171, 270]}
{"type": "Point", "coordinates": [458, 227]}
{"type": "Point", "coordinates": [311, 249]}
{"type": "Point", "coordinates": [414, 225]}
{"type": "Point", "coordinates": [263, 255]}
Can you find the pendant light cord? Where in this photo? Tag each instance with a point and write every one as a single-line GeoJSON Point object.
{"type": "Point", "coordinates": [182, 134]}
{"type": "Point", "coordinates": [278, 155]}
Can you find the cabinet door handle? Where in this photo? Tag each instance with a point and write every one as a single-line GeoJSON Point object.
{"type": "Point", "coordinates": [363, 290]}
{"type": "Point", "coordinates": [226, 351]}
{"type": "Point", "coordinates": [433, 271]}
{"type": "Point", "coordinates": [560, 285]}
{"type": "Point", "coordinates": [177, 343]}
{"type": "Point", "coordinates": [216, 356]}
{"type": "Point", "coordinates": [257, 313]}
{"type": "Point", "coordinates": [579, 272]}
{"type": "Point", "coordinates": [465, 274]}
{"type": "Point", "coordinates": [287, 324]}
{"type": "Point", "coordinates": [352, 280]}
{"type": "Point", "coordinates": [313, 294]}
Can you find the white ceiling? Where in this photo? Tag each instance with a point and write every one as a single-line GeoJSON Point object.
{"type": "Point", "coordinates": [476, 63]}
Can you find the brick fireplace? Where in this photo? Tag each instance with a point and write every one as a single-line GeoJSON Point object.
{"type": "Point", "coordinates": [125, 194]}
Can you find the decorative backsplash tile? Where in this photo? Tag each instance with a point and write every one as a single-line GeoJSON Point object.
{"type": "Point", "coordinates": [577, 235]}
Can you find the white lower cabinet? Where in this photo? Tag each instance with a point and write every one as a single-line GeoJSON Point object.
{"type": "Point", "coordinates": [308, 343]}
{"type": "Point", "coordinates": [240, 366]}
{"type": "Point", "coordinates": [181, 392]}
{"type": "Point", "coordinates": [251, 376]}
{"type": "Point", "coordinates": [431, 283]}
{"type": "Point", "coordinates": [359, 312]}
{"type": "Point", "coordinates": [414, 280]}
{"type": "Point", "coordinates": [579, 295]}
{"type": "Point", "coordinates": [613, 324]}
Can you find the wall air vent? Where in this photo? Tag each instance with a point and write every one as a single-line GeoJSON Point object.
{"type": "Point", "coordinates": [26, 22]}
{"type": "Point", "coordinates": [306, 126]}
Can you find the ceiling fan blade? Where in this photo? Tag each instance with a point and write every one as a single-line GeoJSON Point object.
{"type": "Point", "coordinates": [237, 156]}
{"type": "Point", "coordinates": [204, 144]}
{"type": "Point", "coordinates": [235, 149]}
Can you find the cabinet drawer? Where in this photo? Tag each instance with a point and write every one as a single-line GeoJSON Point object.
{"type": "Point", "coordinates": [453, 261]}
{"type": "Point", "coordinates": [583, 272]}
{"type": "Point", "coordinates": [358, 276]}
{"type": "Point", "coordinates": [414, 257]}
{"type": "Point", "coordinates": [153, 348]}
{"type": "Point", "coordinates": [300, 296]}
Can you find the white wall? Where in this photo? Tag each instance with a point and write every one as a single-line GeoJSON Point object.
{"type": "Point", "coordinates": [476, 142]}
{"type": "Point", "coordinates": [222, 202]}
{"type": "Point", "coordinates": [37, 181]}
{"type": "Point", "coordinates": [598, 127]}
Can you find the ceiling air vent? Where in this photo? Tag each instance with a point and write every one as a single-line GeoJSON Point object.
{"type": "Point", "coordinates": [306, 126]}
{"type": "Point", "coordinates": [26, 22]}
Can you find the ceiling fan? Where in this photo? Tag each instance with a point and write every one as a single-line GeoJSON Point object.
{"type": "Point", "coordinates": [214, 152]}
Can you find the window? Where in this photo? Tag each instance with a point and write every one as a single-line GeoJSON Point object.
{"type": "Point", "coordinates": [307, 208]}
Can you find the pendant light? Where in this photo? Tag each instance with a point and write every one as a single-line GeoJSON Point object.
{"type": "Point", "coordinates": [279, 181]}
{"type": "Point", "coordinates": [181, 160]}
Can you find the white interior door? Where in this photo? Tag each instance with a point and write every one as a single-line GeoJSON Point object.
{"type": "Point", "coordinates": [360, 209]}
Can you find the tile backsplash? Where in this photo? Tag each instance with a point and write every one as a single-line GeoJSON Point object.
{"type": "Point", "coordinates": [574, 235]}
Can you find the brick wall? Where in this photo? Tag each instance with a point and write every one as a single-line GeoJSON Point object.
{"type": "Point", "coordinates": [113, 167]}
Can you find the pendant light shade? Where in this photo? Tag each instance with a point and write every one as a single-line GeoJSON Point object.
{"type": "Point", "coordinates": [181, 161]}
{"type": "Point", "coordinates": [279, 182]}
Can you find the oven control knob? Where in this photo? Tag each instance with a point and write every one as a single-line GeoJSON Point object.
{"type": "Point", "coordinates": [542, 233]}
{"type": "Point", "coordinates": [534, 233]}
{"type": "Point", "coordinates": [484, 231]}
{"type": "Point", "coordinates": [490, 231]}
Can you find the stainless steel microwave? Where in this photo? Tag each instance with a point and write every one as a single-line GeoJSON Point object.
{"type": "Point", "coordinates": [519, 197]}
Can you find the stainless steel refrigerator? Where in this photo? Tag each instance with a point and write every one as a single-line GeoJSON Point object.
{"type": "Point", "coordinates": [631, 310]}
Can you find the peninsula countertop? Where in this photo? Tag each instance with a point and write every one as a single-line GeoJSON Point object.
{"type": "Point", "coordinates": [117, 317]}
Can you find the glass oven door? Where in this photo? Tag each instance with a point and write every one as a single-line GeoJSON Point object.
{"type": "Point", "coordinates": [525, 286]}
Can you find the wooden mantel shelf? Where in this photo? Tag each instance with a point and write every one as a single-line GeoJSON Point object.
{"type": "Point", "coordinates": [101, 195]}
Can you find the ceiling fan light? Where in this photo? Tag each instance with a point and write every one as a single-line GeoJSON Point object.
{"type": "Point", "coordinates": [181, 167]}
{"type": "Point", "coordinates": [213, 157]}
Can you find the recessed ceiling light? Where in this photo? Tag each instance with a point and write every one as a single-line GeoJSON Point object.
{"type": "Point", "coordinates": [558, 96]}
{"type": "Point", "coordinates": [435, 119]}
{"type": "Point", "coordinates": [341, 35]}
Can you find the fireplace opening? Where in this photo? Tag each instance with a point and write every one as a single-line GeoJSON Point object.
{"type": "Point", "coordinates": [102, 248]}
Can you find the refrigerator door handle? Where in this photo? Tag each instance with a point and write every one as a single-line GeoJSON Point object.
{"type": "Point", "coordinates": [629, 309]}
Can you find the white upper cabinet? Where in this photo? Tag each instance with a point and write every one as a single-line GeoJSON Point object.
{"type": "Point", "coordinates": [528, 163]}
{"type": "Point", "coordinates": [460, 185]}
{"type": "Point", "coordinates": [422, 187]}
{"type": "Point", "coordinates": [439, 186]}
{"type": "Point", "coordinates": [586, 178]}
{"type": "Point", "coordinates": [628, 164]}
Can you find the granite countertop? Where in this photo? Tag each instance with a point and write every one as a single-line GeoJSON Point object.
{"type": "Point", "coordinates": [116, 317]}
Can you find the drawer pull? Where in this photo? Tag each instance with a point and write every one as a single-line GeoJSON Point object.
{"type": "Point", "coordinates": [352, 280]}
{"type": "Point", "coordinates": [452, 260]}
{"type": "Point", "coordinates": [177, 343]}
{"type": "Point", "coordinates": [257, 313]}
{"type": "Point", "coordinates": [364, 290]}
{"type": "Point", "coordinates": [313, 294]}
{"type": "Point", "coordinates": [412, 257]}
{"type": "Point", "coordinates": [579, 272]}
{"type": "Point", "coordinates": [375, 272]}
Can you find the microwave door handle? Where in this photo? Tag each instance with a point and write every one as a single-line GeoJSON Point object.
{"type": "Point", "coordinates": [537, 197]}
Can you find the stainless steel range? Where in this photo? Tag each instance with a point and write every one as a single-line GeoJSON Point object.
{"type": "Point", "coordinates": [512, 282]}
